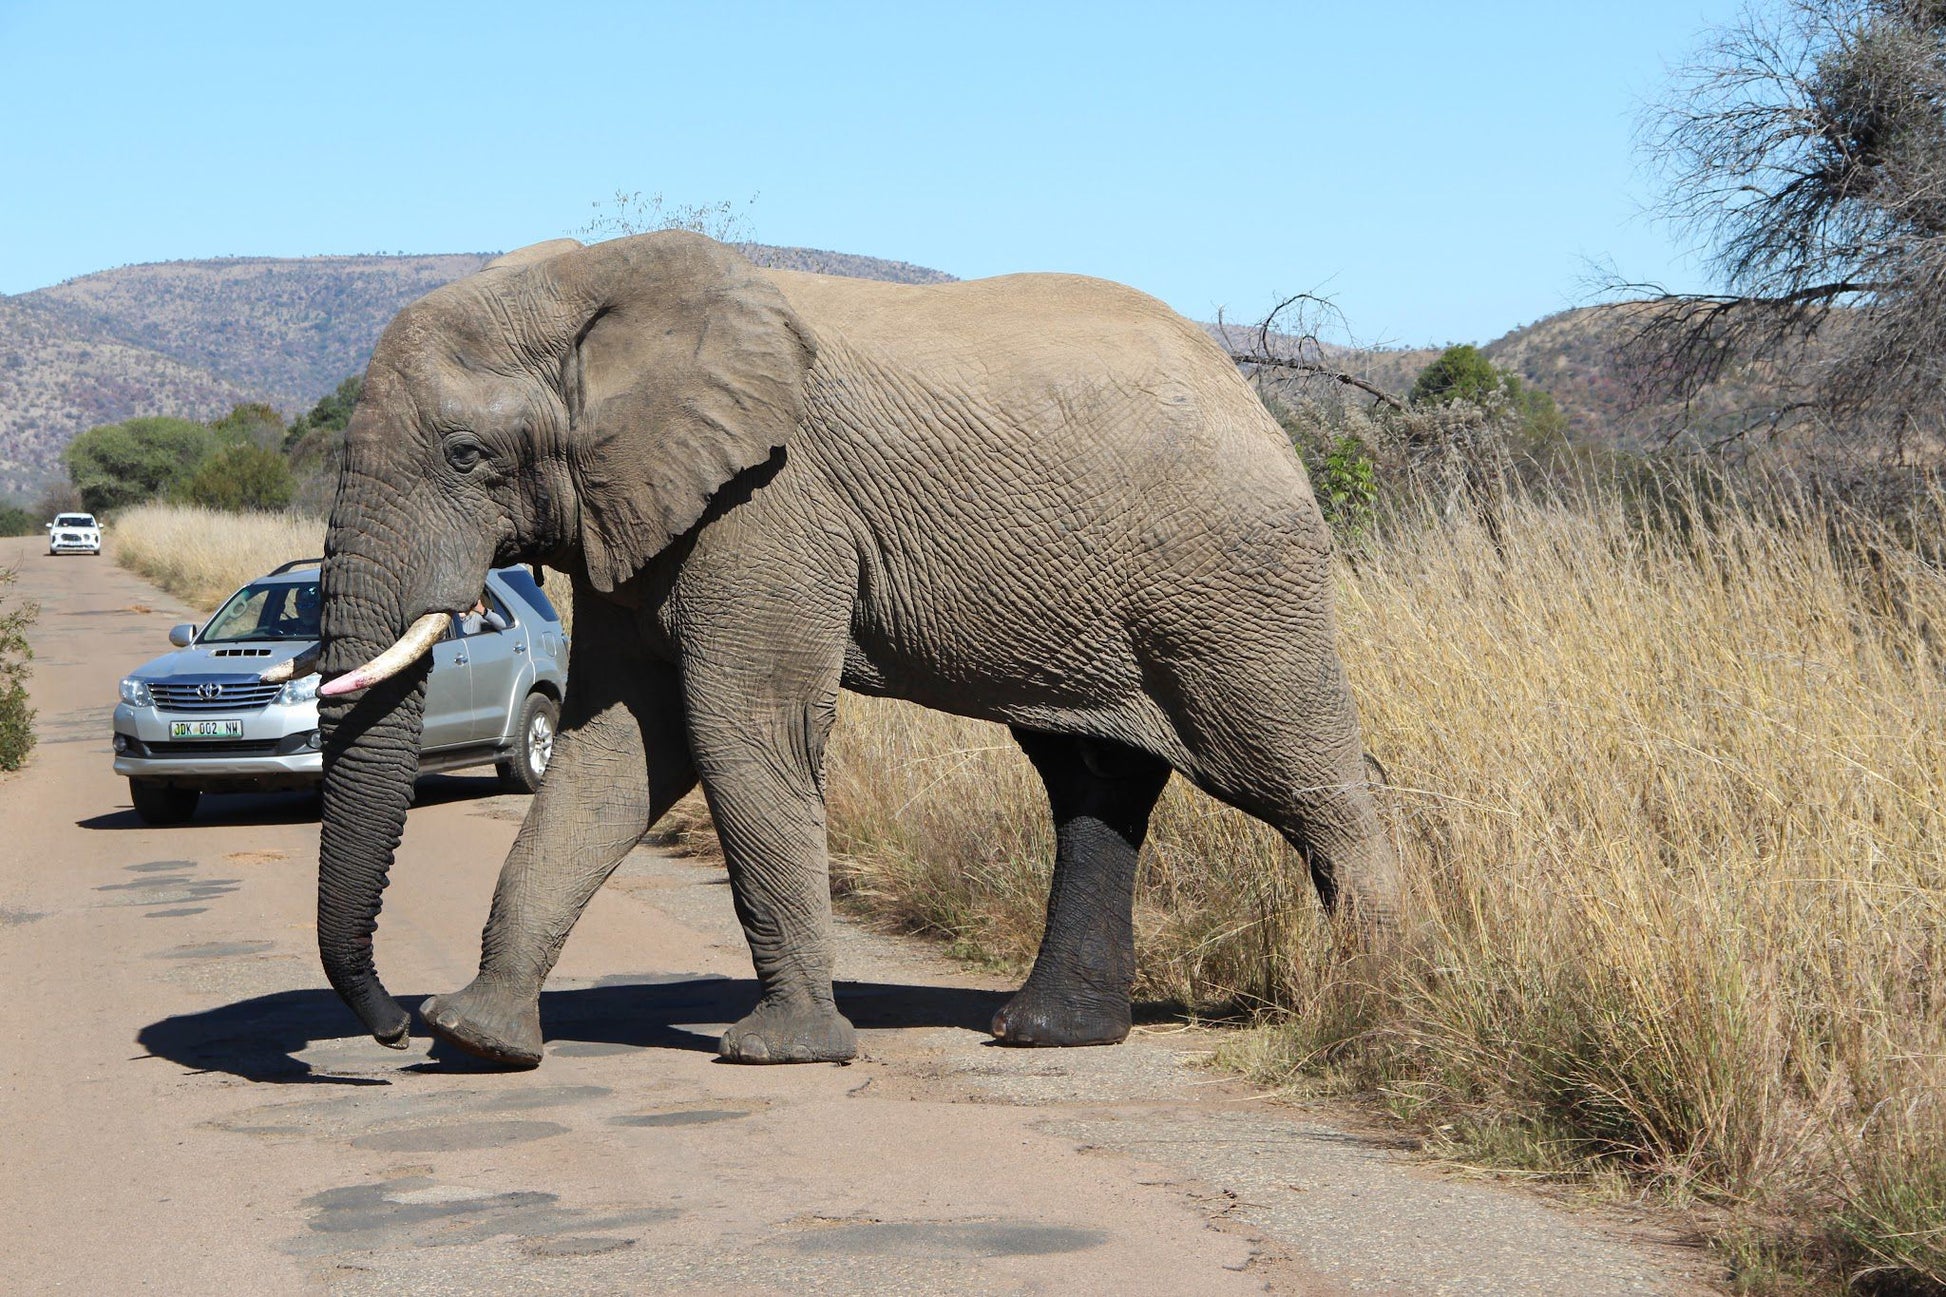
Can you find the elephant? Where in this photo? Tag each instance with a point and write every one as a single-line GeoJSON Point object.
{"type": "Point", "coordinates": [1041, 500]}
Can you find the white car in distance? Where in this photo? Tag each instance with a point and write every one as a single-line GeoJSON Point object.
{"type": "Point", "coordinates": [74, 533]}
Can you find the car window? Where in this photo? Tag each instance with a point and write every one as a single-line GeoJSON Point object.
{"type": "Point", "coordinates": [267, 610]}
{"type": "Point", "coordinates": [74, 520]}
{"type": "Point", "coordinates": [523, 584]}
{"type": "Point", "coordinates": [473, 623]}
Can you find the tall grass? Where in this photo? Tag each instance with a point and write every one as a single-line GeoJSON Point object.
{"type": "Point", "coordinates": [1669, 795]}
{"type": "Point", "coordinates": [201, 555]}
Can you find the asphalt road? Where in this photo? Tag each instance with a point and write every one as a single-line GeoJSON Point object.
{"type": "Point", "coordinates": [188, 1109]}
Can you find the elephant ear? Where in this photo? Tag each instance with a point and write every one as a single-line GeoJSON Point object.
{"type": "Point", "coordinates": [690, 368]}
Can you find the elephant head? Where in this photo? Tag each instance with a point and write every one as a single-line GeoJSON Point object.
{"type": "Point", "coordinates": [569, 405]}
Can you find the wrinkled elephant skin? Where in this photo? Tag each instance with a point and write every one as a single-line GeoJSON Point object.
{"type": "Point", "coordinates": [1040, 500]}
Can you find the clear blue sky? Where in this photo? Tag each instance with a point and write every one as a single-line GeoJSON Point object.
{"type": "Point", "coordinates": [1445, 171]}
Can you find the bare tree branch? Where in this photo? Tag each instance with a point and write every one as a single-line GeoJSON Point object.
{"type": "Point", "coordinates": [1300, 351]}
{"type": "Point", "coordinates": [1806, 146]}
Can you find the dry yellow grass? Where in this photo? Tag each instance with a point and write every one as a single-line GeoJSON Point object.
{"type": "Point", "coordinates": [201, 555]}
{"type": "Point", "coordinates": [1670, 799]}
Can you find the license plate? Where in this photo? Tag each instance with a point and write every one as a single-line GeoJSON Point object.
{"type": "Point", "coordinates": [205, 729]}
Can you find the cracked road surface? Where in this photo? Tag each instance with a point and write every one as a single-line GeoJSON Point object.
{"type": "Point", "coordinates": [188, 1109]}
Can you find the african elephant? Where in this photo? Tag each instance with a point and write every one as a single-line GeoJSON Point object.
{"type": "Point", "coordinates": [1042, 500]}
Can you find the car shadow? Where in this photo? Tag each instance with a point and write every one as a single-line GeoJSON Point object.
{"type": "Point", "coordinates": [248, 809]}
{"type": "Point", "coordinates": [261, 1039]}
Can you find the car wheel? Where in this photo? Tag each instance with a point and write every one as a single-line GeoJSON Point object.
{"type": "Point", "coordinates": [160, 803]}
{"type": "Point", "coordinates": [526, 761]}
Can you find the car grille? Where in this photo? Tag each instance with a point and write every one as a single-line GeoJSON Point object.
{"type": "Point", "coordinates": [212, 695]}
{"type": "Point", "coordinates": [215, 747]}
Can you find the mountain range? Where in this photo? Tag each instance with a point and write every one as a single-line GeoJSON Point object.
{"type": "Point", "coordinates": [194, 338]}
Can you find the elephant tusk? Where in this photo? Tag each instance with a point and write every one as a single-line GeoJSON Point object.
{"type": "Point", "coordinates": [304, 664]}
{"type": "Point", "coordinates": [409, 648]}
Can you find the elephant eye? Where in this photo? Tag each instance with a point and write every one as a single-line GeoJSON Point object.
{"type": "Point", "coordinates": [464, 454]}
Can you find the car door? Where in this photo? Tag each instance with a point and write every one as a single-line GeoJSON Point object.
{"type": "Point", "coordinates": [498, 659]}
{"type": "Point", "coordinates": [449, 694]}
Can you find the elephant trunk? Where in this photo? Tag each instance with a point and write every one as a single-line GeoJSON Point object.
{"type": "Point", "coordinates": [371, 759]}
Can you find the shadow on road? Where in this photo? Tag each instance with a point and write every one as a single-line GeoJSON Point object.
{"type": "Point", "coordinates": [298, 807]}
{"type": "Point", "coordinates": [260, 1039]}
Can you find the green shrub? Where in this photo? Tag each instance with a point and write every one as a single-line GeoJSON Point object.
{"type": "Point", "coordinates": [252, 422]}
{"type": "Point", "coordinates": [328, 416]}
{"type": "Point", "coordinates": [1346, 481]}
{"type": "Point", "coordinates": [240, 478]}
{"type": "Point", "coordinates": [1464, 375]}
{"type": "Point", "coordinates": [16, 717]}
{"type": "Point", "coordinates": [1461, 373]}
{"type": "Point", "coordinates": [16, 521]}
{"type": "Point", "coordinates": [127, 463]}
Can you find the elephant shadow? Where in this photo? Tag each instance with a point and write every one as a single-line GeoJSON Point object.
{"type": "Point", "coordinates": [264, 1038]}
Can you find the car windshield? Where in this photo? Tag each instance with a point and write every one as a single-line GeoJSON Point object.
{"type": "Point", "coordinates": [266, 610]}
{"type": "Point", "coordinates": [74, 520]}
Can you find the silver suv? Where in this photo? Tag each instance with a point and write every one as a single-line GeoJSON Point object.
{"type": "Point", "coordinates": [200, 720]}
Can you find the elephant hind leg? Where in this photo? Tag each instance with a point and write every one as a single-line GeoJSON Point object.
{"type": "Point", "coordinates": [1101, 794]}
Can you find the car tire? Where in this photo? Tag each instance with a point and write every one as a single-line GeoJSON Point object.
{"type": "Point", "coordinates": [526, 761]}
{"type": "Point", "coordinates": [160, 803]}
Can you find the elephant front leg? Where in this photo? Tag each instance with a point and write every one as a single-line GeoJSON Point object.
{"type": "Point", "coordinates": [761, 762]}
{"type": "Point", "coordinates": [615, 771]}
{"type": "Point", "coordinates": [1101, 794]}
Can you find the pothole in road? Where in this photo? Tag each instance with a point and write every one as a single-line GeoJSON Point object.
{"type": "Point", "coordinates": [683, 1117]}
{"type": "Point", "coordinates": [390, 1111]}
{"type": "Point", "coordinates": [214, 950]}
{"type": "Point", "coordinates": [591, 1049]}
{"type": "Point", "coordinates": [169, 889]}
{"type": "Point", "coordinates": [458, 1137]}
{"type": "Point", "coordinates": [937, 1240]}
{"type": "Point", "coordinates": [586, 1245]}
{"type": "Point", "coordinates": [415, 1211]}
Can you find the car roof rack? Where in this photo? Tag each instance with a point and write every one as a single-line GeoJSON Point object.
{"type": "Point", "coordinates": [282, 568]}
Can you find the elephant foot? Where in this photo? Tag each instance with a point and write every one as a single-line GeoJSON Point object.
{"type": "Point", "coordinates": [1038, 1018]}
{"type": "Point", "coordinates": [489, 1022]}
{"type": "Point", "coordinates": [790, 1031]}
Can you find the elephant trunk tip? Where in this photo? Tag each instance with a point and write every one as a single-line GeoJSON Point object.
{"type": "Point", "coordinates": [389, 1024]}
{"type": "Point", "coordinates": [383, 1016]}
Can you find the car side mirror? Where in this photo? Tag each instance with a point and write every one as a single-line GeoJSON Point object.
{"type": "Point", "coordinates": [184, 635]}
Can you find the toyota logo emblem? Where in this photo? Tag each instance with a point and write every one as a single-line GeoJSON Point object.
{"type": "Point", "coordinates": [209, 692]}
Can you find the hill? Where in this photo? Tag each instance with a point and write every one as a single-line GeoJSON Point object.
{"type": "Point", "coordinates": [193, 338]}
{"type": "Point", "coordinates": [1575, 356]}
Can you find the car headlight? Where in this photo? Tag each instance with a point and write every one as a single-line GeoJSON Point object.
{"type": "Point", "coordinates": [301, 690]}
{"type": "Point", "coordinates": [135, 693]}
